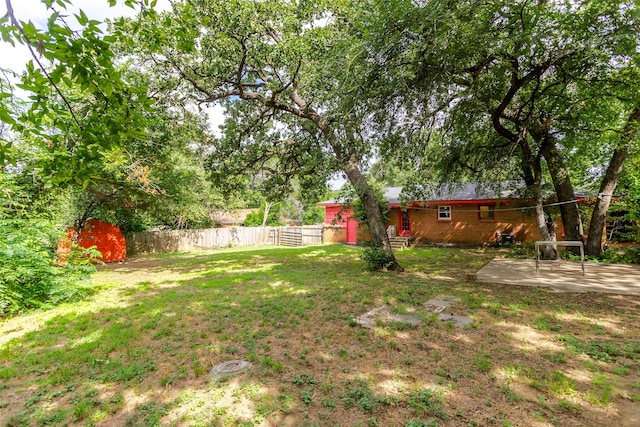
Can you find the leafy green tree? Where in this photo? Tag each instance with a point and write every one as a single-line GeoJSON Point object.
{"type": "Point", "coordinates": [81, 109]}
{"type": "Point", "coordinates": [517, 89]}
{"type": "Point", "coordinates": [159, 182]}
{"type": "Point", "coordinates": [30, 277]}
{"type": "Point", "coordinates": [268, 214]}
{"type": "Point", "coordinates": [287, 73]}
{"type": "Point", "coordinates": [626, 208]}
{"type": "Point", "coordinates": [390, 173]}
{"type": "Point", "coordinates": [349, 195]}
{"type": "Point", "coordinates": [91, 134]}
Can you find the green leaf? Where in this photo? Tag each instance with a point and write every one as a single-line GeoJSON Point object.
{"type": "Point", "coordinates": [29, 29]}
{"type": "Point", "coordinates": [6, 118]}
{"type": "Point", "coordinates": [82, 18]}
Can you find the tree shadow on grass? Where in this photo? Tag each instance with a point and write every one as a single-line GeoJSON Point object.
{"type": "Point", "coordinates": [140, 351]}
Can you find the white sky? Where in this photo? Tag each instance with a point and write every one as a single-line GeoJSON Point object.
{"type": "Point", "coordinates": [36, 12]}
{"type": "Point", "coordinates": [15, 58]}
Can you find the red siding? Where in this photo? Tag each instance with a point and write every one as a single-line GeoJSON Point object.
{"type": "Point", "coordinates": [337, 215]}
{"type": "Point", "coordinates": [341, 217]}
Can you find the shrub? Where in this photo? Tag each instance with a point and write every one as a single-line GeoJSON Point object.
{"type": "Point", "coordinates": [29, 275]}
{"type": "Point", "coordinates": [376, 258]}
{"type": "Point", "coordinates": [627, 255]}
{"type": "Point", "coordinates": [633, 252]}
{"type": "Point", "coordinates": [255, 218]}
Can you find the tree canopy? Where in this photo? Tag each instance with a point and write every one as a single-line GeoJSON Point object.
{"type": "Point", "coordinates": [441, 90]}
{"type": "Point", "coordinates": [526, 89]}
{"type": "Point", "coordinates": [289, 76]}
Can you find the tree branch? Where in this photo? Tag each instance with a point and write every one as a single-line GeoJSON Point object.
{"type": "Point", "coordinates": [15, 22]}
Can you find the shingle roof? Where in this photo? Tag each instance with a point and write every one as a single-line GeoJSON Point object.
{"type": "Point", "coordinates": [460, 191]}
{"type": "Point", "coordinates": [456, 191]}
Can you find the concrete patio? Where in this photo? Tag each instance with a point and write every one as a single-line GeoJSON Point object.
{"type": "Point", "coordinates": [564, 276]}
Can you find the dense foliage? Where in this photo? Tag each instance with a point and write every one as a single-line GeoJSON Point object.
{"type": "Point", "coordinates": [375, 258]}
{"type": "Point", "coordinates": [541, 91]}
{"type": "Point", "coordinates": [30, 275]}
{"type": "Point", "coordinates": [268, 214]}
{"type": "Point", "coordinates": [289, 79]}
{"type": "Point", "coordinates": [115, 125]}
{"type": "Point", "coordinates": [350, 197]}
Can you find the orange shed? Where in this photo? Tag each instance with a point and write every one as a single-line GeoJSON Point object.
{"type": "Point", "coordinates": [107, 238]}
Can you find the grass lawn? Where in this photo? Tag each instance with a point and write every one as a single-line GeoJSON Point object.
{"type": "Point", "coordinates": [138, 352]}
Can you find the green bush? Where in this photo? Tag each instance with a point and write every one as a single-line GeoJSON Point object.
{"type": "Point", "coordinates": [255, 218]}
{"type": "Point", "coordinates": [633, 252]}
{"type": "Point", "coordinates": [376, 258]}
{"type": "Point", "coordinates": [29, 274]}
{"type": "Point", "coordinates": [626, 255]}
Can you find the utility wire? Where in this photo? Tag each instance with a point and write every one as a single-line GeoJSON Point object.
{"type": "Point", "coordinates": [522, 208]}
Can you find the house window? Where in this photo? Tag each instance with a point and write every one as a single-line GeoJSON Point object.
{"type": "Point", "coordinates": [487, 212]}
{"type": "Point", "coordinates": [444, 213]}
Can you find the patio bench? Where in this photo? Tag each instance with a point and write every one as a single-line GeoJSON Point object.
{"type": "Point", "coordinates": [559, 243]}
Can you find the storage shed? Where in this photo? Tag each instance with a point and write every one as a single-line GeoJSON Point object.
{"type": "Point", "coordinates": [107, 238]}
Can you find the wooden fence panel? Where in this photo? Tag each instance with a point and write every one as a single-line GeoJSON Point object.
{"type": "Point", "coordinates": [312, 235]}
{"type": "Point", "coordinates": [291, 236]}
{"type": "Point", "coordinates": [214, 238]}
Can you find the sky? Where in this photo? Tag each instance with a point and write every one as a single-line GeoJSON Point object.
{"type": "Point", "coordinates": [36, 12]}
{"type": "Point", "coordinates": [15, 58]}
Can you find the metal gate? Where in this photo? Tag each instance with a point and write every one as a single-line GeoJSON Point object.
{"type": "Point", "coordinates": [301, 236]}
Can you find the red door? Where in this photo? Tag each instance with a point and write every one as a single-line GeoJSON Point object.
{"type": "Point", "coordinates": [352, 230]}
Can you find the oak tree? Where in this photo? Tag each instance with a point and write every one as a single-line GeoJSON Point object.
{"type": "Point", "coordinates": [288, 74]}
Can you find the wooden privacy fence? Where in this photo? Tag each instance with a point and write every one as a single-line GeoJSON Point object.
{"type": "Point", "coordinates": [213, 238]}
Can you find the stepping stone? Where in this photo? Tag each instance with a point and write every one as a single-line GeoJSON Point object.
{"type": "Point", "coordinates": [368, 320]}
{"type": "Point", "coordinates": [230, 368]}
{"type": "Point", "coordinates": [436, 306]}
{"type": "Point", "coordinates": [406, 318]}
{"type": "Point", "coordinates": [385, 314]}
{"type": "Point", "coordinates": [441, 302]}
{"type": "Point", "coordinates": [459, 321]}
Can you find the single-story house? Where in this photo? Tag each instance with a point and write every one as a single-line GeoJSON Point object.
{"type": "Point", "coordinates": [460, 213]}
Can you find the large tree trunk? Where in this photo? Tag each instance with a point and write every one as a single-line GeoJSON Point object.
{"type": "Point", "coordinates": [569, 211]}
{"type": "Point", "coordinates": [599, 214]}
{"type": "Point", "coordinates": [531, 165]}
{"type": "Point", "coordinates": [349, 164]}
{"type": "Point", "coordinates": [532, 173]}
{"type": "Point", "coordinates": [374, 214]}
{"type": "Point", "coordinates": [545, 226]}
{"type": "Point", "coordinates": [608, 186]}
{"type": "Point", "coordinates": [546, 252]}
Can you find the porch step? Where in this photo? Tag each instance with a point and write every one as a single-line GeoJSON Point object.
{"type": "Point", "coordinates": [399, 242]}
